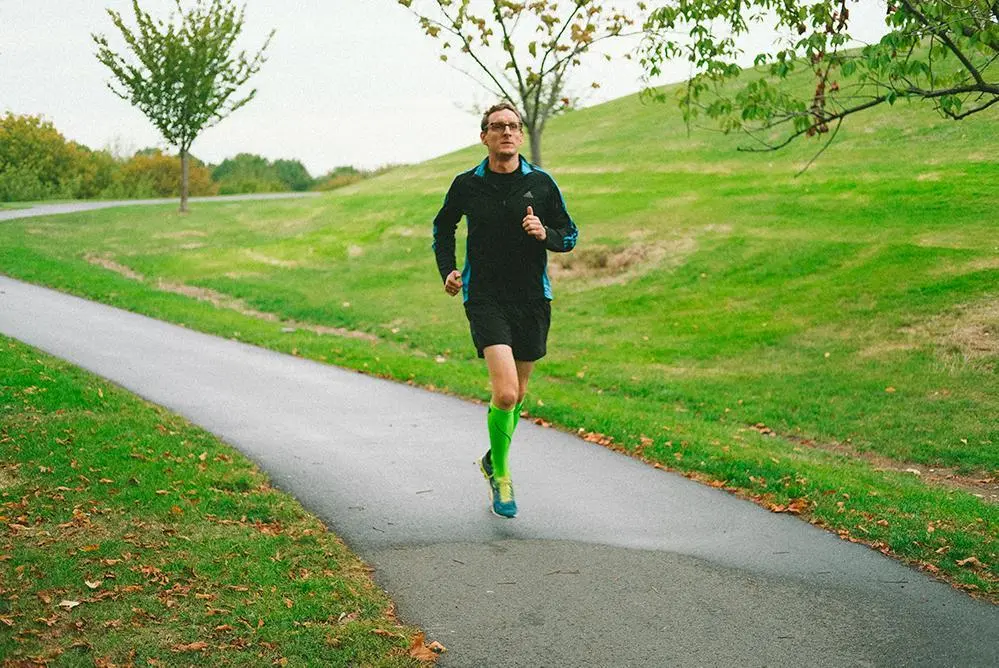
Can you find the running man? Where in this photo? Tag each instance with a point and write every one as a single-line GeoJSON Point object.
{"type": "Point", "coordinates": [515, 215]}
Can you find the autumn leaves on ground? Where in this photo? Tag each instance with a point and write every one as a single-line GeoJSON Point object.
{"type": "Point", "coordinates": [132, 538]}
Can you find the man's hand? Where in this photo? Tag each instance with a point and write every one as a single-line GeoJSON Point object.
{"type": "Point", "coordinates": [452, 285]}
{"type": "Point", "coordinates": [532, 225]}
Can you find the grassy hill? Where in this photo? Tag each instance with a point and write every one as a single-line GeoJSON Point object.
{"type": "Point", "coordinates": [824, 344]}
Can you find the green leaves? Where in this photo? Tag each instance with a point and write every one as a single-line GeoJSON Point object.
{"type": "Point", "coordinates": [182, 75]}
{"type": "Point", "coordinates": [937, 51]}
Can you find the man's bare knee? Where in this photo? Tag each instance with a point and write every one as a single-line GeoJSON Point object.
{"type": "Point", "coordinates": [505, 399]}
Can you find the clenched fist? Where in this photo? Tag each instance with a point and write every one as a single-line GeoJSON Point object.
{"type": "Point", "coordinates": [532, 225]}
{"type": "Point", "coordinates": [452, 285]}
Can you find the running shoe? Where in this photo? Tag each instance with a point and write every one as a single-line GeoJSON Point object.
{"type": "Point", "coordinates": [500, 490]}
{"type": "Point", "coordinates": [504, 504]}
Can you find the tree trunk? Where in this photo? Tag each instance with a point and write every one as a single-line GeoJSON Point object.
{"type": "Point", "coordinates": [535, 136]}
{"type": "Point", "coordinates": [183, 180]}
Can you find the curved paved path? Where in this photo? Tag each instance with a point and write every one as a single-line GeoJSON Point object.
{"type": "Point", "coordinates": [611, 563]}
{"type": "Point", "coordinates": [91, 205]}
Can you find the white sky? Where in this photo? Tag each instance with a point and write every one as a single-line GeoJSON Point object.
{"type": "Point", "coordinates": [346, 81]}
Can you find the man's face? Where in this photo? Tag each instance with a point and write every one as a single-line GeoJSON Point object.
{"type": "Point", "coordinates": [500, 138]}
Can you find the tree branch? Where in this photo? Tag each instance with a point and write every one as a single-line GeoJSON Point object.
{"type": "Point", "coordinates": [508, 47]}
{"type": "Point", "coordinates": [468, 49]}
{"type": "Point", "coordinates": [821, 150]}
{"type": "Point", "coordinates": [982, 107]}
{"type": "Point", "coordinates": [836, 117]}
{"type": "Point", "coordinates": [945, 38]}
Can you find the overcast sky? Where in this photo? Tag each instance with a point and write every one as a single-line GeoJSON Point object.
{"type": "Point", "coordinates": [347, 82]}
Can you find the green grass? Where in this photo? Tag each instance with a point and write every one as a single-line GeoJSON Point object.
{"type": "Point", "coordinates": [166, 539]}
{"type": "Point", "coordinates": [852, 310]}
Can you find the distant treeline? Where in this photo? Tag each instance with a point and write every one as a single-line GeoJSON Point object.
{"type": "Point", "coordinates": [37, 163]}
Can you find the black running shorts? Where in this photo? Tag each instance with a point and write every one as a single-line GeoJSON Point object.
{"type": "Point", "coordinates": [521, 325]}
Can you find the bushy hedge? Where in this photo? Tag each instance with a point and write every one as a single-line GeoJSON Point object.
{"type": "Point", "coordinates": [37, 163]}
{"type": "Point", "coordinates": [248, 173]}
{"type": "Point", "coordinates": [150, 173]}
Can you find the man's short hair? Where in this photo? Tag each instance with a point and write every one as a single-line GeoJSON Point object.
{"type": "Point", "coordinates": [499, 106]}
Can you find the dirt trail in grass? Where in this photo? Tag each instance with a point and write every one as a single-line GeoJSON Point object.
{"type": "Point", "coordinates": [981, 484]}
{"type": "Point", "coordinates": [221, 300]}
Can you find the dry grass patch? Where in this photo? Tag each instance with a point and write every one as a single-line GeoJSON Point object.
{"type": "Point", "coordinates": [982, 484]}
{"type": "Point", "coordinates": [619, 265]}
{"type": "Point", "coordinates": [967, 336]}
{"type": "Point", "coordinates": [955, 269]}
{"type": "Point", "coordinates": [180, 234]}
{"type": "Point", "coordinates": [271, 261]}
{"type": "Point", "coordinates": [970, 330]}
{"type": "Point", "coordinates": [108, 263]}
{"type": "Point", "coordinates": [8, 475]}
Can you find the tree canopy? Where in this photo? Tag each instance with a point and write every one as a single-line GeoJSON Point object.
{"type": "Point", "coordinates": [943, 52]}
{"type": "Point", "coordinates": [183, 75]}
{"type": "Point", "coordinates": [522, 51]}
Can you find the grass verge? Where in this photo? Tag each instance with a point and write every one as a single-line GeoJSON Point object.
{"type": "Point", "coordinates": [128, 536]}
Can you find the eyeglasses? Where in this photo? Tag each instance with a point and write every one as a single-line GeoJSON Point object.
{"type": "Point", "coordinates": [503, 127]}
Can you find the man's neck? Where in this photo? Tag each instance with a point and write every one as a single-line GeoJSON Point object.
{"type": "Point", "coordinates": [504, 165]}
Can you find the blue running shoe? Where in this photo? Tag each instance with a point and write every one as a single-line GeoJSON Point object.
{"type": "Point", "coordinates": [504, 504]}
{"type": "Point", "coordinates": [500, 490]}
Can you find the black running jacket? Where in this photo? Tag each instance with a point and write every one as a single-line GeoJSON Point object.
{"type": "Point", "coordinates": [502, 261]}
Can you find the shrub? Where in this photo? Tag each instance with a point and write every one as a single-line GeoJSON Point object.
{"type": "Point", "coordinates": [150, 173]}
{"type": "Point", "coordinates": [36, 161]}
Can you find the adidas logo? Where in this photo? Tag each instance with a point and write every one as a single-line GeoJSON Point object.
{"type": "Point", "coordinates": [529, 194]}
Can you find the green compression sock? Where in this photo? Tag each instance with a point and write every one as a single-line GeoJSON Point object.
{"type": "Point", "coordinates": [501, 424]}
{"type": "Point", "coordinates": [516, 415]}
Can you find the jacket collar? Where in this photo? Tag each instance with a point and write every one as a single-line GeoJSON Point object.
{"type": "Point", "coordinates": [525, 167]}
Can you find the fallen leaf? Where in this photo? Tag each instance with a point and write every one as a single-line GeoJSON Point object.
{"type": "Point", "coordinates": [90, 548]}
{"type": "Point", "coordinates": [68, 605]}
{"type": "Point", "coordinates": [288, 603]}
{"type": "Point", "coordinates": [385, 634]}
{"type": "Point", "coordinates": [418, 649]}
{"type": "Point", "coordinates": [93, 585]}
{"type": "Point", "coordinates": [972, 561]}
{"type": "Point", "coordinates": [198, 646]}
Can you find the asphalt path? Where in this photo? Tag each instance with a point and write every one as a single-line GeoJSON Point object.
{"type": "Point", "coordinates": [93, 205]}
{"type": "Point", "coordinates": [610, 562]}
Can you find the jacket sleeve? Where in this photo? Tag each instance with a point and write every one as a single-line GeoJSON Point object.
{"type": "Point", "coordinates": [560, 230]}
{"type": "Point", "coordinates": [445, 224]}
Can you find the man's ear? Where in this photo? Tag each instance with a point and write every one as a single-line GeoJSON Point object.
{"type": "Point", "coordinates": [482, 138]}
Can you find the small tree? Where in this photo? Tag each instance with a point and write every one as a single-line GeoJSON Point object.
{"type": "Point", "coordinates": [525, 50]}
{"type": "Point", "coordinates": [942, 52]}
{"type": "Point", "coordinates": [185, 76]}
